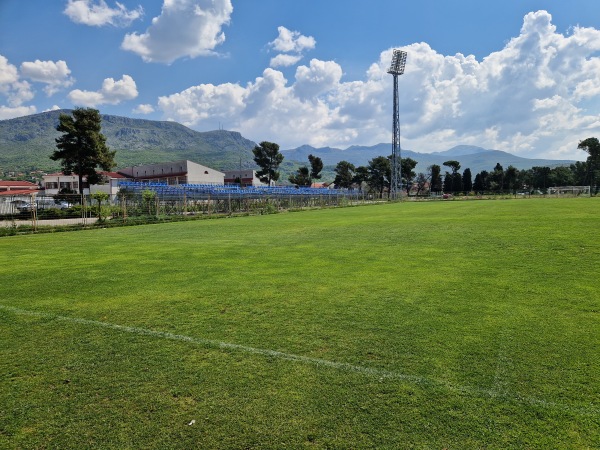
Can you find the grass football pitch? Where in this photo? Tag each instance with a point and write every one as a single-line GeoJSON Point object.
{"type": "Point", "coordinates": [416, 325]}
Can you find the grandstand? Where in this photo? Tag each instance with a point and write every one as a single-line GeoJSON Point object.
{"type": "Point", "coordinates": [207, 191]}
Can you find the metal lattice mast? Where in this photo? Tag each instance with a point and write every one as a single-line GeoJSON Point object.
{"type": "Point", "coordinates": [396, 68]}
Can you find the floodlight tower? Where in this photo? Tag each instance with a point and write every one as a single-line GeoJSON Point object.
{"type": "Point", "coordinates": [396, 68]}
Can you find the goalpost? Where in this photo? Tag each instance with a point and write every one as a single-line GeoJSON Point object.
{"type": "Point", "coordinates": [573, 191]}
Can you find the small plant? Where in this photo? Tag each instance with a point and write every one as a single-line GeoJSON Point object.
{"type": "Point", "coordinates": [102, 211]}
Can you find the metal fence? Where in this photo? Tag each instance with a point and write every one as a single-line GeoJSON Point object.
{"type": "Point", "coordinates": [152, 203]}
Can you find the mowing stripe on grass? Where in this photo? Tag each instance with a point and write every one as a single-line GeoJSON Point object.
{"type": "Point", "coordinates": [368, 371]}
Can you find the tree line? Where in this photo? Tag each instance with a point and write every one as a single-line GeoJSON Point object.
{"type": "Point", "coordinates": [82, 149]}
{"type": "Point", "coordinates": [377, 176]}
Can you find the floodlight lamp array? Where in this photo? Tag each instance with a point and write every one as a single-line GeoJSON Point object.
{"type": "Point", "coordinates": [398, 63]}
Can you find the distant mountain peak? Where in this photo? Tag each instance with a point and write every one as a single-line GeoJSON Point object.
{"type": "Point", "coordinates": [461, 150]}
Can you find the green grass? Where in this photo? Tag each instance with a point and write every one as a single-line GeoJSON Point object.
{"type": "Point", "coordinates": [416, 325]}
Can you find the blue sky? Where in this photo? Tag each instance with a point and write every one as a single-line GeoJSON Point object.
{"type": "Point", "coordinates": [520, 76]}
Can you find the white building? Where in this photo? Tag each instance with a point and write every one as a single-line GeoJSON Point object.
{"type": "Point", "coordinates": [55, 182]}
{"type": "Point", "coordinates": [173, 173]}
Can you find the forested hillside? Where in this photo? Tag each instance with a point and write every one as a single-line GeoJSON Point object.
{"type": "Point", "coordinates": [26, 143]}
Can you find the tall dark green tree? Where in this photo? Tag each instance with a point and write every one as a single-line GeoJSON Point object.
{"type": "Point", "coordinates": [478, 183]}
{"type": "Point", "coordinates": [497, 178]}
{"type": "Point", "coordinates": [268, 158]}
{"type": "Point", "coordinates": [301, 177]}
{"type": "Point", "coordinates": [380, 174]}
{"type": "Point", "coordinates": [361, 175]}
{"type": "Point", "coordinates": [82, 148]}
{"type": "Point", "coordinates": [435, 177]}
{"type": "Point", "coordinates": [451, 183]}
{"type": "Point", "coordinates": [540, 177]}
{"type": "Point", "coordinates": [467, 180]}
{"type": "Point", "coordinates": [592, 147]}
{"type": "Point", "coordinates": [316, 166]}
{"type": "Point", "coordinates": [304, 176]}
{"type": "Point", "coordinates": [408, 174]}
{"type": "Point", "coordinates": [344, 174]}
{"type": "Point", "coordinates": [511, 175]}
{"type": "Point", "coordinates": [580, 173]}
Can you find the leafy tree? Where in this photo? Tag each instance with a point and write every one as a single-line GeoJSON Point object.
{"type": "Point", "coordinates": [304, 177]}
{"type": "Point", "coordinates": [592, 147]}
{"type": "Point", "coordinates": [380, 174]}
{"type": "Point", "coordinates": [580, 173]}
{"type": "Point", "coordinates": [497, 178]}
{"type": "Point", "coordinates": [361, 175]}
{"type": "Point", "coordinates": [421, 180]}
{"type": "Point", "coordinates": [149, 199]}
{"type": "Point", "coordinates": [450, 183]}
{"type": "Point", "coordinates": [408, 174]}
{"type": "Point", "coordinates": [301, 177]}
{"type": "Point", "coordinates": [467, 180]}
{"type": "Point", "coordinates": [562, 176]}
{"type": "Point", "coordinates": [268, 158]}
{"type": "Point", "coordinates": [510, 178]}
{"type": "Point", "coordinates": [344, 174]}
{"type": "Point", "coordinates": [82, 147]}
{"type": "Point", "coordinates": [540, 177]}
{"type": "Point", "coordinates": [101, 197]}
{"type": "Point", "coordinates": [316, 165]}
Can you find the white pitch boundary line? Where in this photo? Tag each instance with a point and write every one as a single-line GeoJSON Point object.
{"type": "Point", "coordinates": [368, 371]}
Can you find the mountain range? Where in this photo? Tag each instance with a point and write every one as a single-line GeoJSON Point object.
{"type": "Point", "coordinates": [26, 144]}
{"type": "Point", "coordinates": [469, 156]}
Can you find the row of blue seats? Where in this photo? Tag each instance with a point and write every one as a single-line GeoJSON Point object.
{"type": "Point", "coordinates": [230, 189]}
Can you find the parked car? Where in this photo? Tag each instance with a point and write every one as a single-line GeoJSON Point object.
{"type": "Point", "coordinates": [43, 203]}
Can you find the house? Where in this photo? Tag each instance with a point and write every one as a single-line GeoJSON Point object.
{"type": "Point", "coordinates": [246, 177]}
{"type": "Point", "coordinates": [17, 187]}
{"type": "Point", "coordinates": [14, 193]}
{"type": "Point", "coordinates": [55, 182]}
{"type": "Point", "coordinates": [174, 173]}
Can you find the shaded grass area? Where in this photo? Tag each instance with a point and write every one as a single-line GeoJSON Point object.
{"type": "Point", "coordinates": [457, 325]}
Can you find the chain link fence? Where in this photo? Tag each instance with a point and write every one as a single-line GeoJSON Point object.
{"type": "Point", "coordinates": [31, 212]}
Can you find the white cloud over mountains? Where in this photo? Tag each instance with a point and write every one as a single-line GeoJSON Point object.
{"type": "Point", "coordinates": [185, 28]}
{"type": "Point", "coordinates": [541, 91]}
{"type": "Point", "coordinates": [87, 12]}
{"type": "Point", "coordinates": [14, 90]}
{"type": "Point", "coordinates": [56, 75]}
{"type": "Point", "coordinates": [112, 92]}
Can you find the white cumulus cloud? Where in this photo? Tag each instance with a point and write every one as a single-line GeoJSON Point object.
{"type": "Point", "coordinates": [19, 111]}
{"type": "Point", "coordinates": [112, 93]}
{"type": "Point", "coordinates": [538, 94]}
{"type": "Point", "coordinates": [185, 28]}
{"type": "Point", "coordinates": [87, 12]}
{"type": "Point", "coordinates": [56, 75]}
{"type": "Point", "coordinates": [15, 90]}
{"type": "Point", "coordinates": [292, 41]}
{"type": "Point", "coordinates": [283, 60]}
{"type": "Point", "coordinates": [291, 46]}
{"type": "Point", "coordinates": [143, 109]}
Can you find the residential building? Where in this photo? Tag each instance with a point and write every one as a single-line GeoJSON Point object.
{"type": "Point", "coordinates": [55, 182]}
{"type": "Point", "coordinates": [18, 187]}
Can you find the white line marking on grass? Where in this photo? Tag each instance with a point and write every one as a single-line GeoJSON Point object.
{"type": "Point", "coordinates": [382, 374]}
